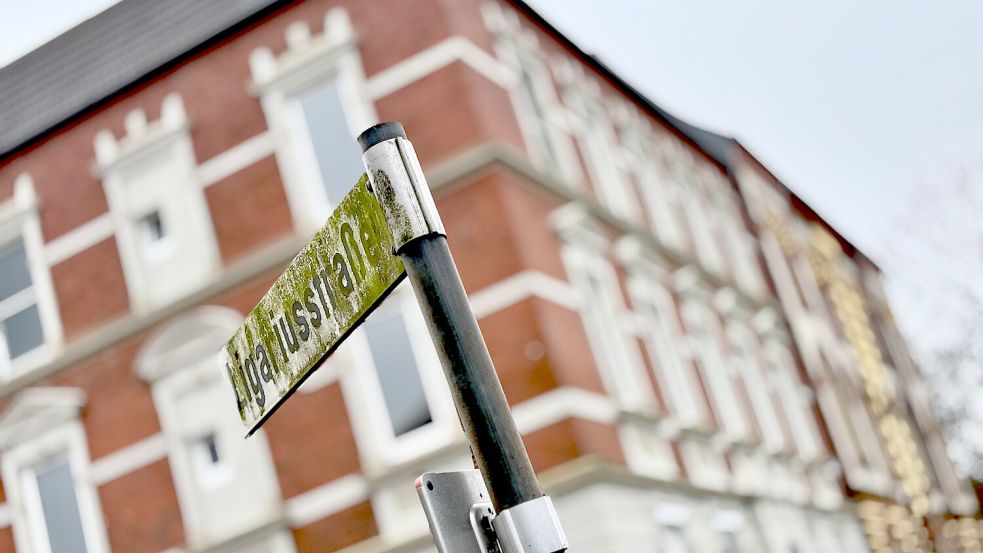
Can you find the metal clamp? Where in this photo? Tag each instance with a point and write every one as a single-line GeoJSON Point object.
{"type": "Point", "coordinates": [462, 519]}
{"type": "Point", "coordinates": [458, 511]}
{"type": "Point", "coordinates": [530, 527]}
{"type": "Point", "coordinates": [389, 158]}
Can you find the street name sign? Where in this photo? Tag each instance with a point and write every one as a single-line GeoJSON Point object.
{"type": "Point", "coordinates": [346, 270]}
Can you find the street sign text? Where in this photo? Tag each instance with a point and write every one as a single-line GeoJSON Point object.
{"type": "Point", "coordinates": [345, 271]}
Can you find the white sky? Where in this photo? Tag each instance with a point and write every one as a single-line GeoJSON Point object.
{"type": "Point", "coordinates": [868, 110]}
{"type": "Point", "coordinates": [862, 108]}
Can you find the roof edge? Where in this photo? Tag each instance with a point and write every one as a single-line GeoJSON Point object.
{"type": "Point", "coordinates": [671, 121]}
{"type": "Point", "coordinates": [137, 82]}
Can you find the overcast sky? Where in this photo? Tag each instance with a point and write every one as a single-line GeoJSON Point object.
{"type": "Point", "coordinates": [871, 111]}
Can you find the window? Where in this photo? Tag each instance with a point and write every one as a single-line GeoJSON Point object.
{"type": "Point", "coordinates": [533, 93]}
{"type": "Point", "coordinates": [662, 336]}
{"type": "Point", "coordinates": [542, 138]}
{"type": "Point", "coordinates": [660, 192]}
{"type": "Point", "coordinates": [706, 352]}
{"type": "Point", "coordinates": [597, 142]}
{"type": "Point", "coordinates": [702, 218]}
{"type": "Point", "coordinates": [398, 372]}
{"type": "Point", "coordinates": [394, 386]}
{"type": "Point", "coordinates": [672, 520]}
{"type": "Point", "coordinates": [50, 490]}
{"type": "Point", "coordinates": [601, 308]}
{"type": "Point", "coordinates": [794, 399]}
{"type": "Point", "coordinates": [211, 466]}
{"type": "Point", "coordinates": [20, 318]}
{"type": "Point", "coordinates": [155, 242]}
{"type": "Point", "coordinates": [314, 98]}
{"type": "Point", "coordinates": [226, 486]}
{"type": "Point", "coordinates": [728, 524]}
{"type": "Point", "coordinates": [45, 463]}
{"type": "Point", "coordinates": [29, 326]}
{"type": "Point", "coordinates": [163, 225]}
{"type": "Point", "coordinates": [738, 242]}
{"type": "Point", "coordinates": [744, 346]}
{"type": "Point", "coordinates": [332, 156]}
{"type": "Point", "coordinates": [674, 540]}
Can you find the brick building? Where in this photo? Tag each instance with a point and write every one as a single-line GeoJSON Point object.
{"type": "Point", "coordinates": [677, 388]}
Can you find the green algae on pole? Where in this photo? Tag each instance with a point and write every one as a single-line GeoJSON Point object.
{"type": "Point", "coordinates": [332, 285]}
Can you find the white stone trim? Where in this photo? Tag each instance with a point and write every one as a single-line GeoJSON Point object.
{"type": "Point", "coordinates": [546, 133]}
{"type": "Point", "coordinates": [67, 438]}
{"type": "Point", "coordinates": [128, 459]}
{"type": "Point", "coordinates": [521, 286]}
{"type": "Point", "coordinates": [19, 217]}
{"type": "Point", "coordinates": [236, 158]}
{"type": "Point", "coordinates": [379, 449]}
{"type": "Point", "coordinates": [433, 59]}
{"type": "Point", "coordinates": [219, 167]}
{"type": "Point", "coordinates": [615, 350]}
{"type": "Point", "coordinates": [182, 370]}
{"type": "Point", "coordinates": [132, 169]}
{"type": "Point", "coordinates": [277, 79]}
{"type": "Point", "coordinates": [79, 239]}
{"type": "Point", "coordinates": [326, 499]}
{"type": "Point", "coordinates": [667, 345]}
{"type": "Point", "coordinates": [563, 403]}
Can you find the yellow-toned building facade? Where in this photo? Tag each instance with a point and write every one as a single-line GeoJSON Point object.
{"type": "Point", "coordinates": [874, 403]}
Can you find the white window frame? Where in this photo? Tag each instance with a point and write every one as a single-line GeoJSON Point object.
{"type": "Point", "coordinates": [663, 335]}
{"type": "Point", "coordinates": [623, 375]}
{"type": "Point", "coordinates": [669, 518]}
{"type": "Point", "coordinates": [705, 350]}
{"type": "Point", "coordinates": [796, 400]}
{"type": "Point", "coordinates": [66, 438]}
{"type": "Point", "coordinates": [730, 522]}
{"type": "Point", "coordinates": [378, 446]}
{"type": "Point", "coordinates": [699, 213]}
{"type": "Point", "coordinates": [20, 220]}
{"type": "Point", "coordinates": [599, 146]}
{"type": "Point", "coordinates": [744, 348]}
{"type": "Point", "coordinates": [518, 50]}
{"type": "Point", "coordinates": [645, 154]}
{"type": "Point", "coordinates": [181, 356]}
{"type": "Point", "coordinates": [119, 162]}
{"type": "Point", "coordinates": [307, 62]}
{"type": "Point", "coordinates": [739, 242]}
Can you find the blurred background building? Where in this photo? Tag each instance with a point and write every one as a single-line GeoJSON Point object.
{"type": "Point", "coordinates": [697, 361]}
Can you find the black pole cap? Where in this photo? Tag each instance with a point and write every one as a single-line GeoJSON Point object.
{"type": "Point", "coordinates": [380, 133]}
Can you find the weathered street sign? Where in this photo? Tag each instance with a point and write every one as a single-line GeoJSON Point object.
{"type": "Point", "coordinates": [345, 271]}
{"type": "Point", "coordinates": [333, 284]}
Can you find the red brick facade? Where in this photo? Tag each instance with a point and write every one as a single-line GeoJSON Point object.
{"type": "Point", "coordinates": [500, 212]}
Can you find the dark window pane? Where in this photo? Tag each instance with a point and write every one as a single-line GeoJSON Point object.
{"type": "Point", "coordinates": [153, 227]}
{"type": "Point", "coordinates": [60, 507]}
{"type": "Point", "coordinates": [14, 275]}
{"type": "Point", "coordinates": [212, 448]}
{"type": "Point", "coordinates": [23, 331]}
{"type": "Point", "coordinates": [338, 156]}
{"type": "Point", "coordinates": [398, 373]}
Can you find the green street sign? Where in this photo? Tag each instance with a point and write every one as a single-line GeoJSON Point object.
{"type": "Point", "coordinates": [332, 285]}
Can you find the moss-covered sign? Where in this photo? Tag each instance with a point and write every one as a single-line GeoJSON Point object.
{"type": "Point", "coordinates": [346, 270]}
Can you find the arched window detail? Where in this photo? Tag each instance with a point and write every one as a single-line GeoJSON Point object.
{"type": "Point", "coordinates": [226, 486]}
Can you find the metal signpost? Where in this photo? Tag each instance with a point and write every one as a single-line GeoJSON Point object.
{"type": "Point", "coordinates": [386, 228]}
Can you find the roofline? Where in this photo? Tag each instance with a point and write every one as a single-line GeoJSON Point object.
{"type": "Point", "coordinates": [802, 207]}
{"type": "Point", "coordinates": [796, 201]}
{"type": "Point", "coordinates": [640, 99]}
{"type": "Point", "coordinates": [631, 92]}
{"type": "Point", "coordinates": [153, 73]}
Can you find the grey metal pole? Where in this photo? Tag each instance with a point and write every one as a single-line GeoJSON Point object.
{"type": "Point", "coordinates": [481, 404]}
